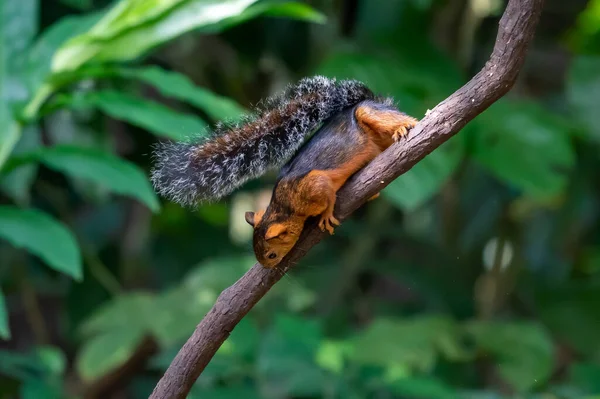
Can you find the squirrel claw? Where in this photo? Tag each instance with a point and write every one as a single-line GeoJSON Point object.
{"type": "Point", "coordinates": [326, 223]}
{"type": "Point", "coordinates": [400, 132]}
{"type": "Point", "coordinates": [404, 129]}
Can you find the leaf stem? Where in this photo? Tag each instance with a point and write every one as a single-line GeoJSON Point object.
{"type": "Point", "coordinates": [33, 311]}
{"type": "Point", "coordinates": [32, 108]}
{"type": "Point", "coordinates": [6, 147]}
{"type": "Point", "coordinates": [100, 271]}
{"type": "Point", "coordinates": [15, 129]}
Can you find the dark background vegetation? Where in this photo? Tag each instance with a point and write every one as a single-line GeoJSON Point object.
{"type": "Point", "coordinates": [475, 275]}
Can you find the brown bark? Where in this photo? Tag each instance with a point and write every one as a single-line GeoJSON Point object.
{"type": "Point", "coordinates": [499, 74]}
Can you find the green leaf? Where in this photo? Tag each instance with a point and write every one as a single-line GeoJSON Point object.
{"type": "Point", "coordinates": [10, 130]}
{"type": "Point", "coordinates": [412, 343]}
{"type": "Point", "coordinates": [52, 359]}
{"type": "Point", "coordinates": [229, 392]}
{"type": "Point", "coordinates": [51, 364]}
{"type": "Point", "coordinates": [17, 183]}
{"type": "Point", "coordinates": [176, 85]}
{"type": "Point", "coordinates": [294, 10]}
{"type": "Point", "coordinates": [105, 352]}
{"type": "Point", "coordinates": [44, 362]}
{"type": "Point", "coordinates": [583, 91]}
{"type": "Point", "coordinates": [43, 236]}
{"type": "Point", "coordinates": [79, 4]}
{"type": "Point", "coordinates": [4, 328]}
{"type": "Point", "coordinates": [214, 275]}
{"type": "Point", "coordinates": [131, 28]}
{"type": "Point", "coordinates": [149, 115]}
{"type": "Point", "coordinates": [118, 175]}
{"type": "Point", "coordinates": [35, 389]}
{"type": "Point", "coordinates": [40, 54]}
{"type": "Point", "coordinates": [586, 375]}
{"type": "Point", "coordinates": [425, 388]}
{"type": "Point", "coordinates": [287, 358]}
{"type": "Point", "coordinates": [178, 310]}
{"type": "Point", "coordinates": [18, 26]}
{"type": "Point", "coordinates": [570, 311]}
{"type": "Point", "coordinates": [525, 146]}
{"type": "Point", "coordinates": [331, 356]}
{"type": "Point", "coordinates": [585, 36]}
{"type": "Point", "coordinates": [524, 352]}
{"type": "Point", "coordinates": [134, 311]}
{"type": "Point", "coordinates": [425, 179]}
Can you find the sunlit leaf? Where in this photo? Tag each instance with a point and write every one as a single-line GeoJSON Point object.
{"type": "Point", "coordinates": [40, 55]}
{"type": "Point", "coordinates": [525, 146]}
{"type": "Point", "coordinates": [4, 328]}
{"type": "Point", "coordinates": [585, 35]}
{"type": "Point", "coordinates": [331, 355]}
{"type": "Point", "coordinates": [43, 236]}
{"type": "Point", "coordinates": [523, 352]}
{"type": "Point", "coordinates": [118, 175]}
{"type": "Point", "coordinates": [176, 85]}
{"type": "Point", "coordinates": [10, 131]}
{"type": "Point", "coordinates": [132, 27]}
{"type": "Point", "coordinates": [295, 10]}
{"type": "Point", "coordinates": [107, 351]}
{"type": "Point", "coordinates": [149, 115]}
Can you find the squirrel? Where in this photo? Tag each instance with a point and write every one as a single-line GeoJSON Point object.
{"type": "Point", "coordinates": [352, 125]}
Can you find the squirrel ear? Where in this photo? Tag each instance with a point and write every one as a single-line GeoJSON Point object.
{"type": "Point", "coordinates": [275, 230]}
{"type": "Point", "coordinates": [250, 218]}
{"type": "Point", "coordinates": [254, 218]}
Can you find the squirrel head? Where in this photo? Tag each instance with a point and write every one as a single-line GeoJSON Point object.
{"type": "Point", "coordinates": [273, 237]}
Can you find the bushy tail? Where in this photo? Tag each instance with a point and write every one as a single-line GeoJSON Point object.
{"type": "Point", "coordinates": [213, 167]}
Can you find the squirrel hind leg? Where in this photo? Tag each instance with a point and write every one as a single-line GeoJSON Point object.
{"type": "Point", "coordinates": [317, 196]}
{"type": "Point", "coordinates": [383, 124]}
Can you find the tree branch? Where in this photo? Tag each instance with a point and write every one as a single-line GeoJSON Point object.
{"type": "Point", "coordinates": [499, 74]}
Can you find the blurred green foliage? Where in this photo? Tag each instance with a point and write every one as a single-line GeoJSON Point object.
{"type": "Point", "coordinates": [476, 275]}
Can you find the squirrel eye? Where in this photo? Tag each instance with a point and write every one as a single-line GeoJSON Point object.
{"type": "Point", "coordinates": [272, 255]}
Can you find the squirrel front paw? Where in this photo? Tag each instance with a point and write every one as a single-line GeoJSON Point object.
{"type": "Point", "coordinates": [327, 222]}
{"type": "Point", "coordinates": [403, 130]}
